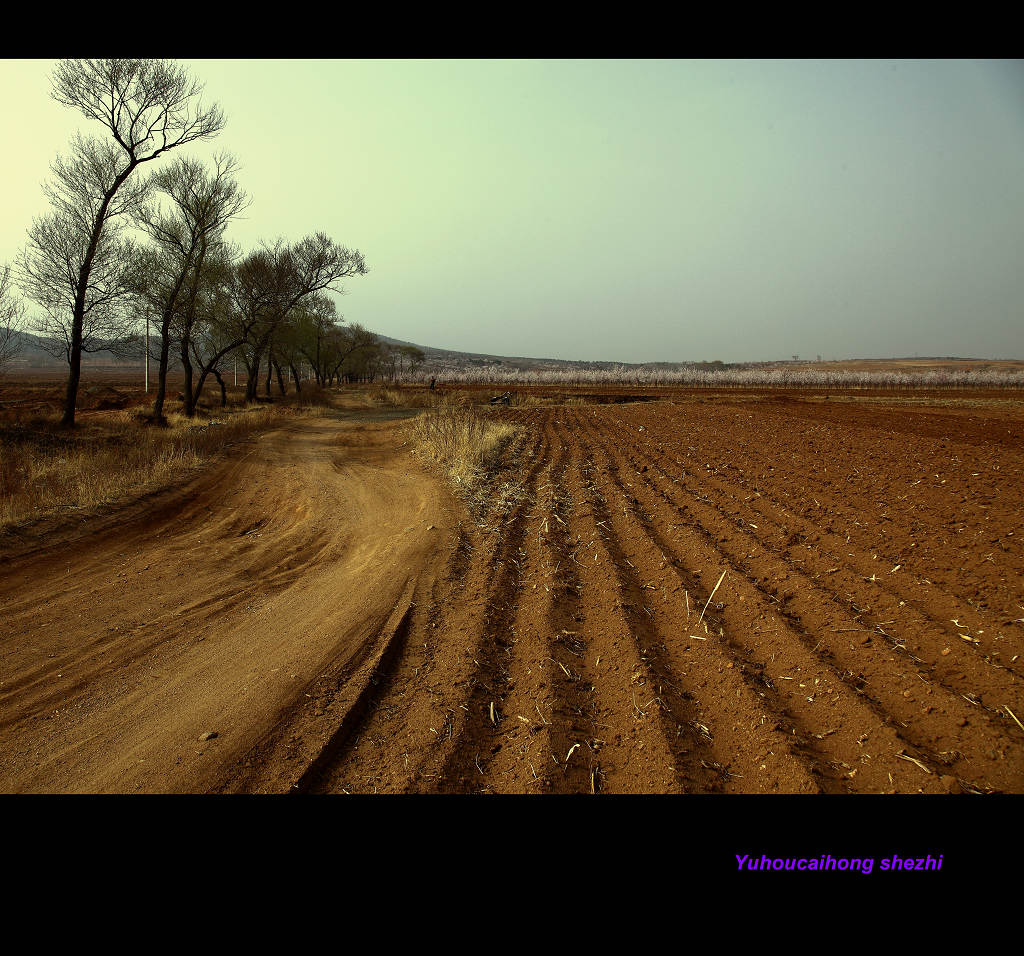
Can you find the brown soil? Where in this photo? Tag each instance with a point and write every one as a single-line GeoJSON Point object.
{"type": "Point", "coordinates": [213, 608]}
{"type": "Point", "coordinates": [342, 623]}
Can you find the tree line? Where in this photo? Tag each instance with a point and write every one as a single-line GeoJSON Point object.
{"type": "Point", "coordinates": [761, 376]}
{"type": "Point", "coordinates": [122, 245]}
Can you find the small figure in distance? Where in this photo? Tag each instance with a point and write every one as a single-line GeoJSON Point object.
{"type": "Point", "coordinates": [433, 382]}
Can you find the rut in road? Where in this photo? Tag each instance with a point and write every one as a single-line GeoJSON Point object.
{"type": "Point", "coordinates": [215, 609]}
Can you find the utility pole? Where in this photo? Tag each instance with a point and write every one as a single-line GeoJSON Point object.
{"type": "Point", "coordinates": [147, 354]}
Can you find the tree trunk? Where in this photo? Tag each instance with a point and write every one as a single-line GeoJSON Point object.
{"type": "Point", "coordinates": [223, 389]}
{"type": "Point", "coordinates": [198, 390]}
{"type": "Point", "coordinates": [78, 317]}
{"type": "Point", "coordinates": [252, 376]}
{"type": "Point", "coordinates": [161, 376]}
{"type": "Point", "coordinates": [74, 376]}
{"type": "Point", "coordinates": [190, 405]}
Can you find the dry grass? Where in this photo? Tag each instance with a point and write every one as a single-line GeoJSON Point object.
{"type": "Point", "coordinates": [45, 471]}
{"type": "Point", "coordinates": [462, 438]}
{"type": "Point", "coordinates": [398, 397]}
{"type": "Point", "coordinates": [529, 399]}
{"type": "Point", "coordinates": [312, 401]}
{"type": "Point", "coordinates": [526, 400]}
{"type": "Point", "coordinates": [387, 396]}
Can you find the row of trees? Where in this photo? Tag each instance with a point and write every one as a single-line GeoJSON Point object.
{"type": "Point", "coordinates": [121, 246]}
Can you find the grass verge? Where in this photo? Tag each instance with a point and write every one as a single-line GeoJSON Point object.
{"type": "Point", "coordinates": [46, 471]}
{"type": "Point", "coordinates": [463, 439]}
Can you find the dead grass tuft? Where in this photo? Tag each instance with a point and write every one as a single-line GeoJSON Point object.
{"type": "Point", "coordinates": [526, 400]}
{"type": "Point", "coordinates": [312, 401]}
{"type": "Point", "coordinates": [529, 399]}
{"type": "Point", "coordinates": [387, 396]}
{"type": "Point", "coordinates": [461, 437]}
{"type": "Point", "coordinates": [398, 397]}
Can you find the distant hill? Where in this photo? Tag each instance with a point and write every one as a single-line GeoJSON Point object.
{"type": "Point", "coordinates": [33, 354]}
{"type": "Point", "coordinates": [439, 361]}
{"type": "Point", "coordinates": [452, 360]}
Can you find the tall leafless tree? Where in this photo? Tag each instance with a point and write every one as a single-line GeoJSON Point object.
{"type": "Point", "coordinates": [48, 272]}
{"type": "Point", "coordinates": [351, 352]}
{"type": "Point", "coordinates": [219, 328]}
{"type": "Point", "coordinates": [273, 281]}
{"type": "Point", "coordinates": [185, 232]}
{"type": "Point", "coordinates": [306, 334]}
{"type": "Point", "coordinates": [147, 107]}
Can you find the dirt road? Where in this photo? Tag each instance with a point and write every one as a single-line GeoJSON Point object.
{"type": "Point", "coordinates": [214, 609]}
{"type": "Point", "coordinates": [740, 595]}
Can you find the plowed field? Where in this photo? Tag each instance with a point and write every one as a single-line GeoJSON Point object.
{"type": "Point", "coordinates": [731, 595]}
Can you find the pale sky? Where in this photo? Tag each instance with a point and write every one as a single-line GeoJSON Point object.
{"type": "Point", "coordinates": [652, 210]}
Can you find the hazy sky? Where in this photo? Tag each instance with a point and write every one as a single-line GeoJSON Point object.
{"type": "Point", "coordinates": [637, 211]}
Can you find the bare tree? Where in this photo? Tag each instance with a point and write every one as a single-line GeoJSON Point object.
{"type": "Point", "coordinates": [353, 352]}
{"type": "Point", "coordinates": [48, 273]}
{"type": "Point", "coordinates": [12, 319]}
{"type": "Point", "coordinates": [311, 325]}
{"type": "Point", "coordinates": [184, 236]}
{"type": "Point", "coordinates": [257, 287]}
{"type": "Point", "coordinates": [415, 356]}
{"type": "Point", "coordinates": [219, 328]}
{"type": "Point", "coordinates": [148, 107]}
{"type": "Point", "coordinates": [273, 281]}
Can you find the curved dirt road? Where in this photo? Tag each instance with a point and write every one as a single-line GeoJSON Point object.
{"type": "Point", "coordinates": [217, 608]}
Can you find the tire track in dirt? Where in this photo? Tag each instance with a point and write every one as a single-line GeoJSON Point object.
{"type": "Point", "coordinates": [372, 752]}
{"type": "Point", "coordinates": [182, 518]}
{"type": "Point", "coordinates": [421, 724]}
{"type": "Point", "coordinates": [336, 646]}
{"type": "Point", "coordinates": [292, 755]}
{"type": "Point", "coordinates": [176, 625]}
{"type": "Point", "coordinates": [109, 649]}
